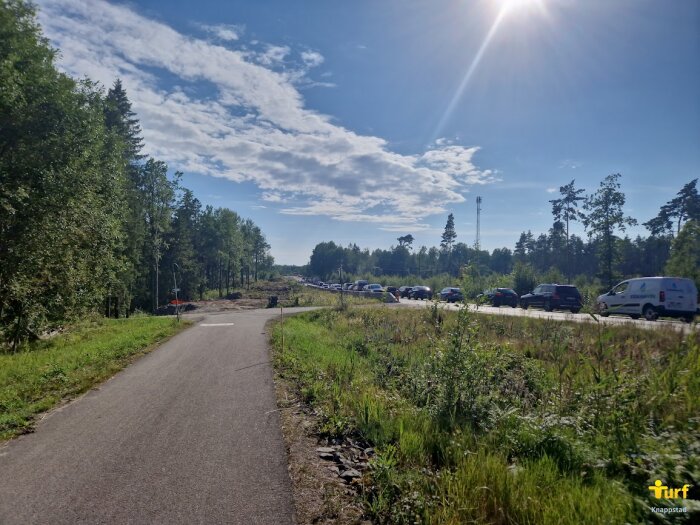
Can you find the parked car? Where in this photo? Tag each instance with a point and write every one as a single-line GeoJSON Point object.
{"type": "Point", "coordinates": [451, 295]}
{"type": "Point", "coordinates": [393, 290]}
{"type": "Point", "coordinates": [553, 297]}
{"type": "Point", "coordinates": [359, 285]}
{"type": "Point", "coordinates": [420, 292]}
{"type": "Point", "coordinates": [347, 286]}
{"type": "Point", "coordinates": [376, 287]}
{"type": "Point", "coordinates": [652, 297]}
{"type": "Point", "coordinates": [500, 297]}
{"type": "Point", "coordinates": [405, 290]}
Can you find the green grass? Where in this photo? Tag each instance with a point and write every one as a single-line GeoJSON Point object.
{"type": "Point", "coordinates": [485, 419]}
{"type": "Point", "coordinates": [46, 372]}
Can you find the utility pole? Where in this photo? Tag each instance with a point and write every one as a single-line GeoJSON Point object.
{"type": "Point", "coordinates": [340, 272]}
{"type": "Point", "coordinates": [176, 289]}
{"type": "Point", "coordinates": [477, 244]}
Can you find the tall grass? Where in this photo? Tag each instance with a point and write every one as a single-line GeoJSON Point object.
{"type": "Point", "coordinates": [485, 419]}
{"type": "Point", "coordinates": [45, 372]}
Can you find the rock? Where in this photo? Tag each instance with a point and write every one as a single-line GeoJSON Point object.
{"type": "Point", "coordinates": [325, 450]}
{"type": "Point", "coordinates": [350, 474]}
{"type": "Point", "coordinates": [326, 456]}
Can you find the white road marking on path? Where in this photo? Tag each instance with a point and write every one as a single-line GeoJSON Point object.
{"type": "Point", "coordinates": [216, 324]}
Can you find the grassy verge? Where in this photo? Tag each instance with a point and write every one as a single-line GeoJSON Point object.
{"type": "Point", "coordinates": [484, 419]}
{"type": "Point", "coordinates": [39, 377]}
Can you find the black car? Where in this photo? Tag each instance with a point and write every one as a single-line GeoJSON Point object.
{"type": "Point", "coordinates": [451, 295]}
{"type": "Point", "coordinates": [553, 297]}
{"type": "Point", "coordinates": [405, 290]}
{"type": "Point", "coordinates": [420, 292]}
{"type": "Point", "coordinates": [500, 297]}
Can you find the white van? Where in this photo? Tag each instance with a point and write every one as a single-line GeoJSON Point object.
{"type": "Point", "coordinates": [652, 297]}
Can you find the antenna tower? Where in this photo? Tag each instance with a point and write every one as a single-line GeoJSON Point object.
{"type": "Point", "coordinates": [477, 244]}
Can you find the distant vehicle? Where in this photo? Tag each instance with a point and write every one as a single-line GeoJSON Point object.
{"type": "Point", "coordinates": [420, 292]}
{"type": "Point", "coordinates": [376, 287]}
{"type": "Point", "coordinates": [553, 297]}
{"type": "Point", "coordinates": [393, 290]}
{"type": "Point", "coordinates": [451, 295]}
{"type": "Point", "coordinates": [359, 285]}
{"type": "Point", "coordinates": [347, 286]}
{"type": "Point", "coordinates": [652, 297]}
{"type": "Point", "coordinates": [404, 290]}
{"type": "Point", "coordinates": [500, 297]}
{"type": "Point", "coordinates": [321, 284]}
{"type": "Point", "coordinates": [337, 286]}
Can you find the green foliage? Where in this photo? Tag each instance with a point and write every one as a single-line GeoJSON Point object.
{"type": "Point", "coordinates": [62, 179]}
{"type": "Point", "coordinates": [524, 279]}
{"type": "Point", "coordinates": [84, 220]}
{"type": "Point", "coordinates": [605, 216]}
{"type": "Point", "coordinates": [487, 419]}
{"type": "Point", "coordinates": [684, 207]}
{"type": "Point", "coordinates": [449, 235]}
{"type": "Point", "coordinates": [685, 253]}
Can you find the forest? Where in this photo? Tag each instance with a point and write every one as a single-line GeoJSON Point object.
{"type": "Point", "coordinates": [598, 260]}
{"type": "Point", "coordinates": [88, 222]}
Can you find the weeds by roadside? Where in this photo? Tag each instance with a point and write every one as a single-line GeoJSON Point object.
{"type": "Point", "coordinates": [503, 420]}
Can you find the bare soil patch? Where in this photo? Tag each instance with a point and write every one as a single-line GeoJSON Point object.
{"type": "Point", "coordinates": [320, 495]}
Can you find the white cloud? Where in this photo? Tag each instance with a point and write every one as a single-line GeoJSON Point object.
{"type": "Point", "coordinates": [312, 58]}
{"type": "Point", "coordinates": [250, 123]}
{"type": "Point", "coordinates": [551, 190]}
{"type": "Point", "coordinates": [570, 164]}
{"type": "Point", "coordinates": [225, 32]}
{"type": "Point", "coordinates": [273, 55]}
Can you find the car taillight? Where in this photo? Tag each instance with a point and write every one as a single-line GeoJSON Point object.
{"type": "Point", "coordinates": [662, 296]}
{"type": "Point", "coordinates": [499, 294]}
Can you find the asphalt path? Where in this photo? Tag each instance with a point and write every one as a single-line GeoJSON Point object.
{"type": "Point", "coordinates": [187, 434]}
{"type": "Point", "coordinates": [562, 316]}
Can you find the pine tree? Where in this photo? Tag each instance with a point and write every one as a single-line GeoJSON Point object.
{"type": "Point", "coordinates": [605, 216]}
{"type": "Point", "coordinates": [566, 209]}
{"type": "Point", "coordinates": [686, 206]}
{"type": "Point", "coordinates": [685, 253]}
{"type": "Point", "coordinates": [449, 235]}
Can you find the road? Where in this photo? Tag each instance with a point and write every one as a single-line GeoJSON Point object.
{"type": "Point", "coordinates": [563, 316]}
{"type": "Point", "coordinates": [187, 434]}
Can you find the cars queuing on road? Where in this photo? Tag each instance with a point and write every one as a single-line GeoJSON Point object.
{"type": "Point", "coordinates": [647, 297]}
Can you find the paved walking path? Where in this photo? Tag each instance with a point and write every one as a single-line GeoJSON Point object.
{"type": "Point", "coordinates": [187, 434]}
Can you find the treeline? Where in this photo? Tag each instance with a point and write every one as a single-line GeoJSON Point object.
{"type": "Point", "coordinates": [88, 223]}
{"type": "Point", "coordinates": [604, 256]}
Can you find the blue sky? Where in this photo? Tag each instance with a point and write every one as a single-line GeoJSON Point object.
{"type": "Point", "coordinates": [362, 121]}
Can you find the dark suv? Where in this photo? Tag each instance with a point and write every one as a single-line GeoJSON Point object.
{"type": "Point", "coordinates": [405, 290]}
{"type": "Point", "coordinates": [500, 296]}
{"type": "Point", "coordinates": [420, 292]}
{"type": "Point", "coordinates": [451, 295]}
{"type": "Point", "coordinates": [553, 297]}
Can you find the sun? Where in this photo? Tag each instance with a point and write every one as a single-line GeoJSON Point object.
{"type": "Point", "coordinates": [510, 6]}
